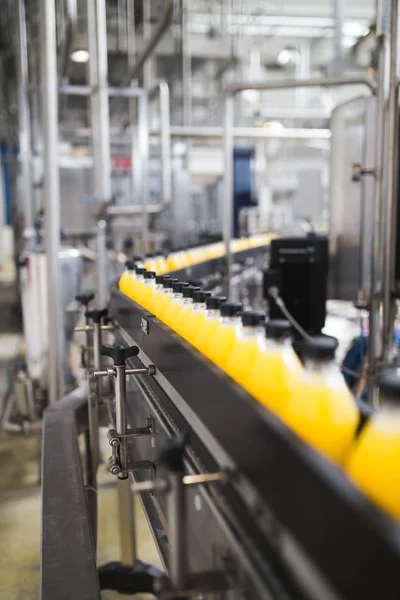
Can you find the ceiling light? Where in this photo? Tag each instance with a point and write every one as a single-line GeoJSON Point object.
{"type": "Point", "coordinates": [287, 55]}
{"type": "Point", "coordinates": [80, 56]}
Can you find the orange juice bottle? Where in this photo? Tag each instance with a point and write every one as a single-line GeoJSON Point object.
{"type": "Point", "coordinates": [174, 261]}
{"type": "Point", "coordinates": [209, 326]}
{"type": "Point", "coordinates": [162, 304]}
{"type": "Point", "coordinates": [196, 316]}
{"type": "Point", "coordinates": [175, 304]}
{"type": "Point", "coordinates": [127, 277]}
{"type": "Point", "coordinates": [147, 289]}
{"type": "Point", "coordinates": [150, 262]}
{"type": "Point", "coordinates": [276, 367]}
{"type": "Point", "coordinates": [247, 346]}
{"type": "Point", "coordinates": [321, 408]}
{"type": "Point", "coordinates": [183, 313]}
{"type": "Point", "coordinates": [222, 343]}
{"type": "Point", "coordinates": [160, 264]}
{"type": "Point", "coordinates": [158, 292]}
{"type": "Point", "coordinates": [138, 282]}
{"type": "Point", "coordinates": [374, 460]}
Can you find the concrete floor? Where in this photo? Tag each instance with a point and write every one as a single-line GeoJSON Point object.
{"type": "Point", "coordinates": [20, 502]}
{"type": "Point", "coordinates": [20, 521]}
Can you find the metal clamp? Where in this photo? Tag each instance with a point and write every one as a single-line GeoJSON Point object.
{"type": "Point", "coordinates": [181, 583]}
{"type": "Point", "coordinates": [357, 171]}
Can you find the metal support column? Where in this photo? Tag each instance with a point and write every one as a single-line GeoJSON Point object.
{"type": "Point", "coordinates": [98, 75]}
{"type": "Point", "coordinates": [186, 65]}
{"type": "Point", "coordinates": [376, 248]}
{"type": "Point", "coordinates": [392, 190]}
{"type": "Point", "coordinates": [51, 192]}
{"type": "Point", "coordinates": [25, 137]}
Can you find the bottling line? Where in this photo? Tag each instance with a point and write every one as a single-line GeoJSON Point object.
{"type": "Point", "coordinates": [246, 496]}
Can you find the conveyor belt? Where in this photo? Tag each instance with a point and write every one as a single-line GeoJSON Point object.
{"type": "Point", "coordinates": [354, 545]}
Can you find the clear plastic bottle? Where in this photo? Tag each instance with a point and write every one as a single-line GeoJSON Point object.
{"type": "Point", "coordinates": [248, 345]}
{"type": "Point", "coordinates": [137, 283]}
{"type": "Point", "coordinates": [127, 277]}
{"type": "Point", "coordinates": [320, 408]}
{"type": "Point", "coordinates": [201, 340]}
{"type": "Point", "coordinates": [158, 292]}
{"type": "Point", "coordinates": [175, 304]}
{"type": "Point", "coordinates": [276, 367]}
{"type": "Point", "coordinates": [162, 304]}
{"type": "Point", "coordinates": [196, 315]}
{"type": "Point", "coordinates": [147, 289]}
{"type": "Point", "coordinates": [180, 318]}
{"type": "Point", "coordinates": [222, 343]}
{"type": "Point", "coordinates": [150, 263]}
{"type": "Point", "coordinates": [374, 459]}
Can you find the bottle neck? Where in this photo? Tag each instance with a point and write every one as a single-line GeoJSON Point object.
{"type": "Point", "coordinates": [178, 296]}
{"type": "Point", "coordinates": [213, 313]}
{"type": "Point", "coordinates": [231, 321]}
{"type": "Point", "coordinates": [320, 367]}
{"type": "Point", "coordinates": [249, 331]}
{"type": "Point", "coordinates": [188, 301]}
{"type": "Point", "coordinates": [199, 306]}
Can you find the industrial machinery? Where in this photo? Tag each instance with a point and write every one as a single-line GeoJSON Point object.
{"type": "Point", "coordinates": [238, 506]}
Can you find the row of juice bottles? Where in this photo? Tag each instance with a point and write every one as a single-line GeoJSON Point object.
{"type": "Point", "coordinates": [310, 397]}
{"type": "Point", "coordinates": [183, 258]}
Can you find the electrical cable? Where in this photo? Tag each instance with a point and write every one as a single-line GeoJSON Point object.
{"type": "Point", "coordinates": [274, 293]}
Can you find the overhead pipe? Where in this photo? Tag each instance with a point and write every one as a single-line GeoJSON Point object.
{"type": "Point", "coordinates": [153, 42]}
{"type": "Point", "coordinates": [161, 90]}
{"type": "Point", "coordinates": [229, 95]}
{"type": "Point", "coordinates": [71, 31]}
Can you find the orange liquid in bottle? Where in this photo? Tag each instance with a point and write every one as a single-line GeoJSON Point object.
{"type": "Point", "coordinates": [321, 409]}
{"type": "Point", "coordinates": [222, 343]}
{"type": "Point", "coordinates": [246, 348]}
{"type": "Point", "coordinates": [374, 460]}
{"type": "Point", "coordinates": [146, 291]}
{"type": "Point", "coordinates": [275, 369]}
{"type": "Point", "coordinates": [175, 304]}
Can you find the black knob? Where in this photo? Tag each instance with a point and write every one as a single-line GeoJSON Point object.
{"type": "Point", "coordinates": [119, 354]}
{"type": "Point", "coordinates": [84, 299]}
{"type": "Point", "coordinates": [96, 315]}
{"type": "Point", "coordinates": [171, 456]}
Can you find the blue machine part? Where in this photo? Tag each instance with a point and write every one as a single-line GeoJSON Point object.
{"type": "Point", "coordinates": [5, 174]}
{"type": "Point", "coordinates": [242, 183]}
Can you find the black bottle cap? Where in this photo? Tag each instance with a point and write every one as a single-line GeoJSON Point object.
{"type": "Point", "coordinates": [200, 296]}
{"type": "Point", "coordinates": [162, 278]}
{"type": "Point", "coordinates": [168, 283]}
{"type": "Point", "coordinates": [140, 271]}
{"type": "Point", "coordinates": [189, 291]}
{"type": "Point", "coordinates": [149, 254]}
{"type": "Point", "coordinates": [278, 329]}
{"type": "Point", "coordinates": [149, 275]}
{"type": "Point", "coordinates": [252, 318]}
{"type": "Point", "coordinates": [130, 264]}
{"type": "Point", "coordinates": [215, 302]}
{"type": "Point", "coordinates": [389, 384]}
{"type": "Point", "coordinates": [138, 258]}
{"type": "Point", "coordinates": [230, 309]}
{"type": "Point", "coordinates": [320, 347]}
{"type": "Point", "coordinates": [178, 286]}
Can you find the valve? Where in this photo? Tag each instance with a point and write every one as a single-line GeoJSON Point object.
{"type": "Point", "coordinates": [97, 315]}
{"type": "Point", "coordinates": [119, 354]}
{"type": "Point", "coordinates": [85, 299]}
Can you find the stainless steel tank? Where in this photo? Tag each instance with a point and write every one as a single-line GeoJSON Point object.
{"type": "Point", "coordinates": [351, 202]}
